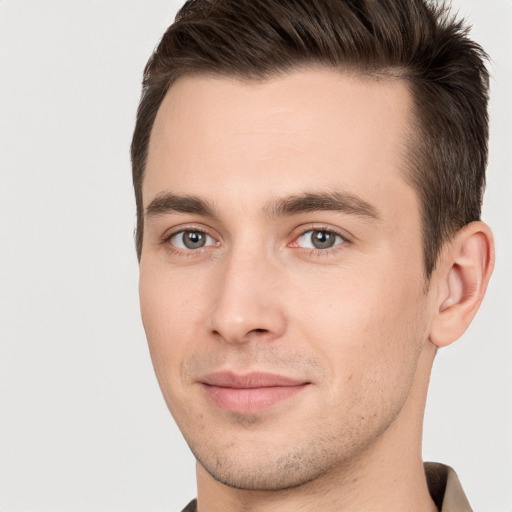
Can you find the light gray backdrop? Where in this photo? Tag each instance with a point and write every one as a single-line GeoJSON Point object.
{"type": "Point", "coordinates": [83, 425]}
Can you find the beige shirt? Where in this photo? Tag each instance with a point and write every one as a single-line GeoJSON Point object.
{"type": "Point", "coordinates": [443, 485]}
{"type": "Point", "coordinates": [445, 488]}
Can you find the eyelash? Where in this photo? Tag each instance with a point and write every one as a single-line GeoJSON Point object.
{"type": "Point", "coordinates": [186, 252]}
{"type": "Point", "coordinates": [331, 251]}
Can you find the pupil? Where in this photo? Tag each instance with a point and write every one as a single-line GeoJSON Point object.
{"type": "Point", "coordinates": [322, 239]}
{"type": "Point", "coordinates": [194, 239]}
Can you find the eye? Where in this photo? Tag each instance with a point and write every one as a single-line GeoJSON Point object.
{"type": "Point", "coordinates": [191, 239]}
{"type": "Point", "coordinates": [319, 239]}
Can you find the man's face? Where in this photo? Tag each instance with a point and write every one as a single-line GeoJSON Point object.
{"type": "Point", "coordinates": [282, 281]}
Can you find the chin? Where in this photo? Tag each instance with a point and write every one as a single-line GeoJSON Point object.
{"type": "Point", "coordinates": [266, 469]}
{"type": "Point", "coordinates": [263, 477]}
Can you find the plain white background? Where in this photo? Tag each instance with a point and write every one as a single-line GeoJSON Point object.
{"type": "Point", "coordinates": [83, 425]}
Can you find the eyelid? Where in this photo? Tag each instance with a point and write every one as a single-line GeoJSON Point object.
{"type": "Point", "coordinates": [174, 239]}
{"type": "Point", "coordinates": [176, 230]}
{"type": "Point", "coordinates": [300, 232]}
{"type": "Point", "coordinates": [170, 232]}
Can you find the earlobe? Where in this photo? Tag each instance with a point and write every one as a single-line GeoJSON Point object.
{"type": "Point", "coordinates": [463, 274]}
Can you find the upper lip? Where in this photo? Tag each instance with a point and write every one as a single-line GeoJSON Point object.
{"type": "Point", "coordinates": [227, 379]}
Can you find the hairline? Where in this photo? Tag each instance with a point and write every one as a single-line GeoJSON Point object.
{"type": "Point", "coordinates": [412, 149]}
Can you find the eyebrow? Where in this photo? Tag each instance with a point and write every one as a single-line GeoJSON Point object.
{"type": "Point", "coordinates": [165, 203]}
{"type": "Point", "coordinates": [323, 201]}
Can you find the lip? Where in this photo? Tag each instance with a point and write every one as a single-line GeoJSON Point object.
{"type": "Point", "coordinates": [249, 393]}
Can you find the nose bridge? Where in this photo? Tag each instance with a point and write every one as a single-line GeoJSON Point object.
{"type": "Point", "coordinates": [247, 302]}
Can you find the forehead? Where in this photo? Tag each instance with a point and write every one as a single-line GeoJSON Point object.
{"type": "Point", "coordinates": [317, 128]}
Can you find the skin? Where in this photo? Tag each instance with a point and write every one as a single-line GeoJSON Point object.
{"type": "Point", "coordinates": [357, 321]}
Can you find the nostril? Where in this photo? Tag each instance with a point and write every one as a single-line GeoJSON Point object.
{"type": "Point", "coordinates": [258, 330]}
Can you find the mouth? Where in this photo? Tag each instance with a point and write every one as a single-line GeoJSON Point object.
{"type": "Point", "coordinates": [249, 393]}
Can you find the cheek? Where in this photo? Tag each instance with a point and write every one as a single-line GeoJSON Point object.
{"type": "Point", "coordinates": [167, 311]}
{"type": "Point", "coordinates": [368, 329]}
{"type": "Point", "coordinates": [168, 315]}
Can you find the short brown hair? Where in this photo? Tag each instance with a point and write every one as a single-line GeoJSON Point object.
{"type": "Point", "coordinates": [416, 40]}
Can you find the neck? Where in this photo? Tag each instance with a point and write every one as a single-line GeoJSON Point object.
{"type": "Point", "coordinates": [387, 476]}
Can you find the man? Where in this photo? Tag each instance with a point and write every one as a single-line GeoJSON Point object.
{"type": "Point", "coordinates": [309, 177]}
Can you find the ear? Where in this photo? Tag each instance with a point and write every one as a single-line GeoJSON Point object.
{"type": "Point", "coordinates": [461, 279]}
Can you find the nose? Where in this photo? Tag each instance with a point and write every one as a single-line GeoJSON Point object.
{"type": "Point", "coordinates": [248, 304]}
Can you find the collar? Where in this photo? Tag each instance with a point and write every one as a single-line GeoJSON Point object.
{"type": "Point", "coordinates": [445, 488]}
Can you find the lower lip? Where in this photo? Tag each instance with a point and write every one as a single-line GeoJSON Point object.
{"type": "Point", "coordinates": [250, 400]}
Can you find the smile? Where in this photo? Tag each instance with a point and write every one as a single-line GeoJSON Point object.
{"type": "Point", "coordinates": [251, 393]}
